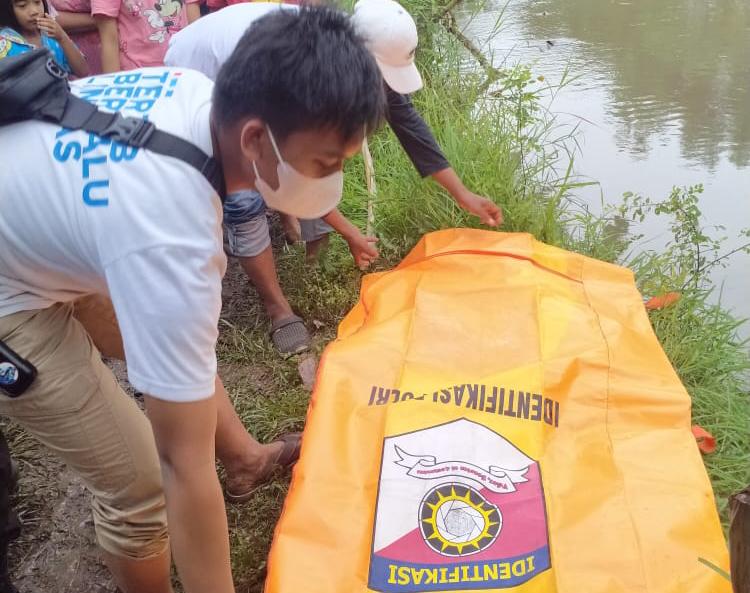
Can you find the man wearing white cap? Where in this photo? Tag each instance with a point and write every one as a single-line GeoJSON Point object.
{"type": "Point", "coordinates": [391, 36]}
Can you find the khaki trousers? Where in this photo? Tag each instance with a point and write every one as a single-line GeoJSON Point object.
{"type": "Point", "coordinates": [77, 409]}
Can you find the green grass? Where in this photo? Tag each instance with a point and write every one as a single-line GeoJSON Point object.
{"type": "Point", "coordinates": [700, 340]}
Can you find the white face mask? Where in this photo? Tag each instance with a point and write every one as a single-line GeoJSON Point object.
{"type": "Point", "coordinates": [299, 195]}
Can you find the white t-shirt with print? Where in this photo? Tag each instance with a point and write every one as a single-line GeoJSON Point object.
{"type": "Point", "coordinates": [82, 215]}
{"type": "Point", "coordinates": [205, 44]}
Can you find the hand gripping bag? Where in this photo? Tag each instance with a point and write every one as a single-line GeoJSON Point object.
{"type": "Point", "coordinates": [497, 414]}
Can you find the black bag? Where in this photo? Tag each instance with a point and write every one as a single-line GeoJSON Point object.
{"type": "Point", "coordinates": [34, 87]}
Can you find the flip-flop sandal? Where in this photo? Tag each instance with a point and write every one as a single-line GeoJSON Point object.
{"type": "Point", "coordinates": [287, 457]}
{"type": "Point", "coordinates": [290, 336]}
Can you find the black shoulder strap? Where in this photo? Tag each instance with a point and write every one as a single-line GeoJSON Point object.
{"type": "Point", "coordinates": [33, 86]}
{"type": "Point", "coordinates": [79, 114]}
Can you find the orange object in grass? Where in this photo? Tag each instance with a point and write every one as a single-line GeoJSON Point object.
{"type": "Point", "coordinates": [706, 441]}
{"type": "Point", "coordinates": [662, 301]}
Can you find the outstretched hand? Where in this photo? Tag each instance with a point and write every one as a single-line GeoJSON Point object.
{"type": "Point", "coordinates": [363, 250]}
{"type": "Point", "coordinates": [488, 212]}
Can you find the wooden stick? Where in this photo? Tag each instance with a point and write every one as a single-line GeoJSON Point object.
{"type": "Point", "coordinates": [371, 187]}
{"type": "Point", "coordinates": [739, 541]}
{"type": "Point", "coordinates": [450, 24]}
{"type": "Point", "coordinates": [450, 6]}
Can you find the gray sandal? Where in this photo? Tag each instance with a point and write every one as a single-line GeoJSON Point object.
{"type": "Point", "coordinates": [290, 336]}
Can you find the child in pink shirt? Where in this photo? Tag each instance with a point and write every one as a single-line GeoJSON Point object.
{"type": "Point", "coordinates": [135, 33]}
{"type": "Point", "coordinates": [75, 18]}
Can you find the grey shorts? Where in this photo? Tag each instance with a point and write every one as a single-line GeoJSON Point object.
{"type": "Point", "coordinates": [248, 238]}
{"type": "Point", "coordinates": [314, 229]}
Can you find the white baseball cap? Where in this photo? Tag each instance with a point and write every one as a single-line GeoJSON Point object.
{"type": "Point", "coordinates": [391, 36]}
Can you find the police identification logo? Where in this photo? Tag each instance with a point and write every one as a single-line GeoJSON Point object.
{"type": "Point", "coordinates": [459, 508]}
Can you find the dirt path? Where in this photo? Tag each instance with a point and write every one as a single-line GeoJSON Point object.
{"type": "Point", "coordinates": [60, 555]}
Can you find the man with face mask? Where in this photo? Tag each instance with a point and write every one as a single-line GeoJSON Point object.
{"type": "Point", "coordinates": [83, 215]}
{"type": "Point", "coordinates": [391, 36]}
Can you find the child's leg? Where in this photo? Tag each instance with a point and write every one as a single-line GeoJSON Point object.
{"type": "Point", "coordinates": [291, 228]}
{"type": "Point", "coordinates": [261, 270]}
{"type": "Point", "coordinates": [315, 234]}
{"type": "Point", "coordinates": [250, 242]}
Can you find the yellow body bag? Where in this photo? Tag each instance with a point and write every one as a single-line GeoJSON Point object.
{"type": "Point", "coordinates": [497, 414]}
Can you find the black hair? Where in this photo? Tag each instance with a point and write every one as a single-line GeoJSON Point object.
{"type": "Point", "coordinates": [8, 16]}
{"type": "Point", "coordinates": [301, 70]}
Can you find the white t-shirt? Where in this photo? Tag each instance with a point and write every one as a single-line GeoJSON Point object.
{"type": "Point", "coordinates": [205, 44]}
{"type": "Point", "coordinates": [82, 215]}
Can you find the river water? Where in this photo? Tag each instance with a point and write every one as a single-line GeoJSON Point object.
{"type": "Point", "coordinates": [661, 98]}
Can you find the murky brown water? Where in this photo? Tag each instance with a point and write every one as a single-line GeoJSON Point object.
{"type": "Point", "coordinates": [662, 98]}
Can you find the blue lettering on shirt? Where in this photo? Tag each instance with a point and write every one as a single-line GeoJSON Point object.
{"type": "Point", "coordinates": [134, 91]}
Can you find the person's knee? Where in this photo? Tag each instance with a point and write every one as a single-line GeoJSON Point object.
{"type": "Point", "coordinates": [134, 524]}
{"type": "Point", "coordinates": [249, 238]}
{"type": "Point", "coordinates": [314, 230]}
